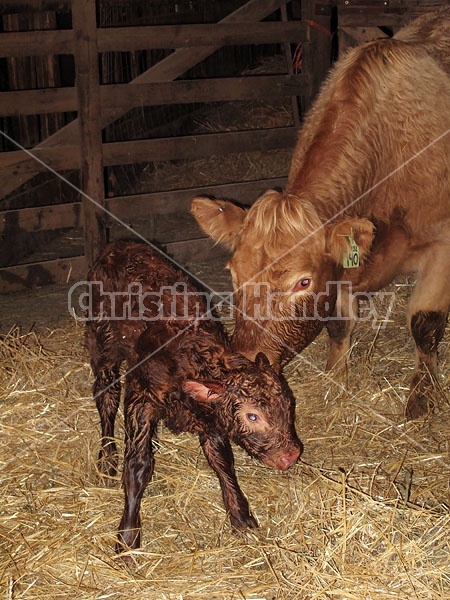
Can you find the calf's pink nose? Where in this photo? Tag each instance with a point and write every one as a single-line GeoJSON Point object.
{"type": "Point", "coordinates": [286, 461]}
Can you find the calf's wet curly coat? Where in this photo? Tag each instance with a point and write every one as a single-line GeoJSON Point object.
{"type": "Point", "coordinates": [180, 370]}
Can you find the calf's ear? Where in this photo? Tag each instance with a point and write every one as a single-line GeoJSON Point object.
{"type": "Point", "coordinates": [204, 390]}
{"type": "Point", "coordinates": [341, 233]}
{"type": "Point", "coordinates": [220, 219]}
{"type": "Point", "coordinates": [261, 361]}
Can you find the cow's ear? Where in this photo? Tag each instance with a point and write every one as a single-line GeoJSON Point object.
{"type": "Point", "coordinates": [342, 234]}
{"type": "Point", "coordinates": [204, 390]}
{"type": "Point", "coordinates": [220, 219]}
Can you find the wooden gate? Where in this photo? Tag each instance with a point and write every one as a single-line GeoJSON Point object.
{"type": "Point", "coordinates": [297, 24]}
{"type": "Point", "coordinates": [78, 145]}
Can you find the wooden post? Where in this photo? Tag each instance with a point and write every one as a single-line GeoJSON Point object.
{"type": "Point", "coordinates": [317, 54]}
{"type": "Point", "coordinates": [290, 69]}
{"type": "Point", "coordinates": [89, 117]}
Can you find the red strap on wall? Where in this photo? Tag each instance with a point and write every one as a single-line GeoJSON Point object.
{"type": "Point", "coordinates": [321, 28]}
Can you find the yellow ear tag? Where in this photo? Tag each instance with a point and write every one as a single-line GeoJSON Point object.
{"type": "Point", "coordinates": [351, 256]}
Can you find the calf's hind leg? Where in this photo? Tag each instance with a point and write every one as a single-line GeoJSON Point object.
{"type": "Point", "coordinates": [428, 312]}
{"type": "Point", "coordinates": [105, 364]}
{"type": "Point", "coordinates": [106, 393]}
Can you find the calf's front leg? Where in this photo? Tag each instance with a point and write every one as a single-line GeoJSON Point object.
{"type": "Point", "coordinates": [219, 455]}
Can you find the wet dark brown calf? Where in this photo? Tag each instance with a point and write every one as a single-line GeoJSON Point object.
{"type": "Point", "coordinates": [181, 371]}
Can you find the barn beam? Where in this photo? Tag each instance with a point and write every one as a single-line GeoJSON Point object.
{"type": "Point", "coordinates": [120, 97]}
{"type": "Point", "coordinates": [126, 39]}
{"type": "Point", "coordinates": [90, 129]}
{"type": "Point", "coordinates": [65, 270]}
{"type": "Point", "coordinates": [189, 147]}
{"type": "Point", "coordinates": [29, 275]}
{"type": "Point", "coordinates": [127, 208]}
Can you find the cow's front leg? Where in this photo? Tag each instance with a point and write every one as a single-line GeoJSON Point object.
{"type": "Point", "coordinates": [140, 423]}
{"type": "Point", "coordinates": [427, 315]}
{"type": "Point", "coordinates": [219, 455]}
{"type": "Point", "coordinates": [427, 328]}
{"type": "Point", "coordinates": [340, 327]}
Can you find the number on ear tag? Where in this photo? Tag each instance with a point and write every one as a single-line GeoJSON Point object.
{"type": "Point", "coordinates": [351, 256]}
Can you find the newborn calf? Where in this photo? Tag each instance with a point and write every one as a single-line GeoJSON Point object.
{"type": "Point", "coordinates": [182, 371]}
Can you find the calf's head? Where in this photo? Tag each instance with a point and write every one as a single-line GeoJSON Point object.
{"type": "Point", "coordinates": [255, 408]}
{"type": "Point", "coordinates": [286, 267]}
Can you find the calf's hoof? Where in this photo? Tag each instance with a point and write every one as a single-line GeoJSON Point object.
{"type": "Point", "coordinates": [107, 468]}
{"type": "Point", "coordinates": [420, 401]}
{"type": "Point", "coordinates": [244, 521]}
{"type": "Point", "coordinates": [128, 538]}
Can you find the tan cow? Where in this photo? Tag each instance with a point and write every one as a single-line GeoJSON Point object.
{"type": "Point", "coordinates": [369, 183]}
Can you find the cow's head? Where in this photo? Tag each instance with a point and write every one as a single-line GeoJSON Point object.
{"type": "Point", "coordinates": [285, 265]}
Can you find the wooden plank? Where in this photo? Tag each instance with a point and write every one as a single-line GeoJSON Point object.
{"type": "Point", "coordinates": [41, 218]}
{"type": "Point", "coordinates": [364, 19]}
{"type": "Point", "coordinates": [37, 43]}
{"type": "Point", "coordinates": [196, 35]}
{"type": "Point", "coordinates": [20, 162]}
{"type": "Point", "coordinates": [161, 203]}
{"type": "Point", "coordinates": [352, 36]}
{"type": "Point", "coordinates": [359, 35]}
{"type": "Point", "coordinates": [187, 147]}
{"type": "Point", "coordinates": [194, 147]}
{"type": "Point", "coordinates": [59, 271]}
{"type": "Point", "coordinates": [126, 39]}
{"type": "Point", "coordinates": [88, 87]}
{"type": "Point", "coordinates": [168, 69]}
{"type": "Point", "coordinates": [70, 215]}
{"type": "Point", "coordinates": [65, 270]}
{"type": "Point", "coordinates": [120, 97]}
{"type": "Point", "coordinates": [38, 102]}
{"type": "Point", "coordinates": [196, 250]}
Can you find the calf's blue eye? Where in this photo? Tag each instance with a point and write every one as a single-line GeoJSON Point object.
{"type": "Point", "coordinates": [252, 417]}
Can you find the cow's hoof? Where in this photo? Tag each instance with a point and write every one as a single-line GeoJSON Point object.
{"type": "Point", "coordinates": [420, 401]}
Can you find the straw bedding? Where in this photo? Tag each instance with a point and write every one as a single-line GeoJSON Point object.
{"type": "Point", "coordinates": [364, 514]}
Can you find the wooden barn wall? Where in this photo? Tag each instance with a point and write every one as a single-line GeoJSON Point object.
{"type": "Point", "coordinates": [87, 87]}
{"type": "Point", "coordinates": [122, 70]}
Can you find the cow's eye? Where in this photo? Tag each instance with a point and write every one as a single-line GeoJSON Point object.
{"type": "Point", "coordinates": [302, 284]}
{"type": "Point", "coordinates": [252, 417]}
